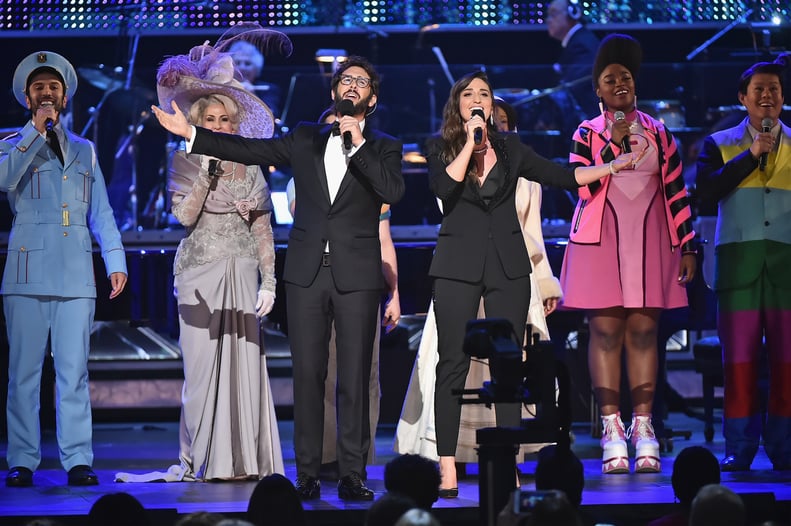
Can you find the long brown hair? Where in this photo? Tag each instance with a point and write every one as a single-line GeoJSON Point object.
{"type": "Point", "coordinates": [452, 130]}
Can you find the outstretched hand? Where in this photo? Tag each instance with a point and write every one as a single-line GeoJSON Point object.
{"type": "Point", "coordinates": [628, 161]}
{"type": "Point", "coordinates": [176, 123]}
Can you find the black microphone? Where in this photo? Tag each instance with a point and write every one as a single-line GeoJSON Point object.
{"type": "Point", "coordinates": [49, 124]}
{"type": "Point", "coordinates": [766, 127]}
{"type": "Point", "coordinates": [346, 107]}
{"type": "Point", "coordinates": [213, 167]}
{"type": "Point", "coordinates": [625, 146]}
{"type": "Point", "coordinates": [478, 132]}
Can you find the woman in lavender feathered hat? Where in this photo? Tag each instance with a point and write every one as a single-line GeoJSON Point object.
{"type": "Point", "coordinates": [224, 274]}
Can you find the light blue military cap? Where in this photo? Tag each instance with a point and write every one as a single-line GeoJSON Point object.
{"type": "Point", "coordinates": [43, 59]}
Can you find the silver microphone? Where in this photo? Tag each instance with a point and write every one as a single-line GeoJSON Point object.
{"type": "Point", "coordinates": [625, 146]}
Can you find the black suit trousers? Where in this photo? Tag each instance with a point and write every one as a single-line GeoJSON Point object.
{"type": "Point", "coordinates": [311, 312]}
{"type": "Point", "coordinates": [456, 302]}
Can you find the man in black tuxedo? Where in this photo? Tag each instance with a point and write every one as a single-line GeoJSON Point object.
{"type": "Point", "coordinates": [333, 270]}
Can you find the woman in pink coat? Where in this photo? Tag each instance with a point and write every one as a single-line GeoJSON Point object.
{"type": "Point", "coordinates": [630, 252]}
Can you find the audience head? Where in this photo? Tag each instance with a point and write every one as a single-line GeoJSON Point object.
{"type": "Point", "coordinates": [694, 467]}
{"type": "Point", "coordinates": [388, 508]}
{"type": "Point", "coordinates": [200, 518]}
{"type": "Point", "coordinates": [117, 509]}
{"type": "Point", "coordinates": [43, 522]}
{"type": "Point", "coordinates": [560, 469]}
{"type": "Point", "coordinates": [553, 509]}
{"type": "Point", "coordinates": [417, 517]}
{"type": "Point", "coordinates": [414, 476]}
{"type": "Point", "coordinates": [275, 502]}
{"type": "Point", "coordinates": [716, 505]}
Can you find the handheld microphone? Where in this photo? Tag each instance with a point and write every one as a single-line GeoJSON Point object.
{"type": "Point", "coordinates": [346, 107]}
{"type": "Point", "coordinates": [49, 124]}
{"type": "Point", "coordinates": [478, 132]}
{"type": "Point", "coordinates": [626, 147]}
{"type": "Point", "coordinates": [213, 167]}
{"type": "Point", "coordinates": [766, 127]}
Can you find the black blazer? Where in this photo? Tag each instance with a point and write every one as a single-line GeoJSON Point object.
{"type": "Point", "coordinates": [468, 222]}
{"type": "Point", "coordinates": [350, 223]}
{"type": "Point", "coordinates": [576, 61]}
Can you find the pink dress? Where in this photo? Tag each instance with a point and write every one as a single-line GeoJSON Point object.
{"type": "Point", "coordinates": [634, 265]}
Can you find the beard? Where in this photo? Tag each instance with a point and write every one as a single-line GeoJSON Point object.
{"type": "Point", "coordinates": [57, 104]}
{"type": "Point", "coordinates": [360, 107]}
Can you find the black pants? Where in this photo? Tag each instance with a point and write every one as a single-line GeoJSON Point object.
{"type": "Point", "coordinates": [456, 302]}
{"type": "Point", "coordinates": [311, 311]}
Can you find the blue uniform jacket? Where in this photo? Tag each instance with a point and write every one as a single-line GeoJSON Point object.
{"type": "Point", "coordinates": [56, 209]}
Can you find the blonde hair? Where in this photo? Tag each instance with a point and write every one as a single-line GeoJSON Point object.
{"type": "Point", "coordinates": [199, 107]}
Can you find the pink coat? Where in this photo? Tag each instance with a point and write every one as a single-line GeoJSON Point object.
{"type": "Point", "coordinates": [592, 146]}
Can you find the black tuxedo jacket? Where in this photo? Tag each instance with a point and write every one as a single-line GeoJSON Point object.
{"type": "Point", "coordinates": [350, 223]}
{"type": "Point", "coordinates": [576, 61]}
{"type": "Point", "coordinates": [469, 222]}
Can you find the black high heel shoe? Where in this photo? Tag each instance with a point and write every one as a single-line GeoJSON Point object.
{"type": "Point", "coordinates": [448, 493]}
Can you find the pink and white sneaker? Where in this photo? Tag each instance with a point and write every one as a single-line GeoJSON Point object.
{"type": "Point", "coordinates": [646, 446]}
{"type": "Point", "coordinates": [615, 457]}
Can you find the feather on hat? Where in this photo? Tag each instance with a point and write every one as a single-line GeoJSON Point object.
{"type": "Point", "coordinates": [207, 70]}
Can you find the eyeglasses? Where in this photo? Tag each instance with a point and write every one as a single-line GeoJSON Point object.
{"type": "Point", "coordinates": [362, 82]}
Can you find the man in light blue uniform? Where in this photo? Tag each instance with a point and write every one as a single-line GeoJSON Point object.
{"type": "Point", "coordinates": [57, 193]}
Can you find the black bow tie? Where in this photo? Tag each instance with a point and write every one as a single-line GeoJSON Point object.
{"type": "Point", "coordinates": [336, 128]}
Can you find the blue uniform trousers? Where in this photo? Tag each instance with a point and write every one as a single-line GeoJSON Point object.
{"type": "Point", "coordinates": [30, 321]}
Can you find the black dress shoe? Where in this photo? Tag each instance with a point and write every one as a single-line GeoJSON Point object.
{"type": "Point", "coordinates": [731, 464]}
{"type": "Point", "coordinates": [308, 487]}
{"type": "Point", "coordinates": [351, 487]}
{"type": "Point", "coordinates": [82, 476]}
{"type": "Point", "coordinates": [448, 493]}
{"type": "Point", "coordinates": [19, 477]}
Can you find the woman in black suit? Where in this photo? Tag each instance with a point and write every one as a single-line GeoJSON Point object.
{"type": "Point", "coordinates": [480, 249]}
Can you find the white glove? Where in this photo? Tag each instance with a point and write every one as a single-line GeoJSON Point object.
{"type": "Point", "coordinates": [266, 300]}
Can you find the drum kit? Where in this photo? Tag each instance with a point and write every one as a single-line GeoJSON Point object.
{"type": "Point", "coordinates": [115, 125]}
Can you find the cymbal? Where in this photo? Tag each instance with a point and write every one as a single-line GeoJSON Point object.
{"type": "Point", "coordinates": [103, 77]}
{"type": "Point", "coordinates": [512, 94]}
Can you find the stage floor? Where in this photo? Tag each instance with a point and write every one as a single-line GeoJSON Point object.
{"type": "Point", "coordinates": [143, 447]}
